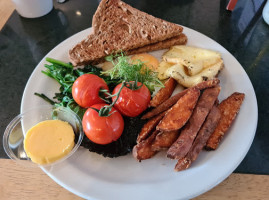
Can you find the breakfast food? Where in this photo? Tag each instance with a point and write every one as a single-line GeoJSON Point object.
{"type": "Point", "coordinates": [193, 58]}
{"type": "Point", "coordinates": [165, 44]}
{"type": "Point", "coordinates": [143, 150]}
{"type": "Point", "coordinates": [184, 142]}
{"type": "Point", "coordinates": [85, 90]}
{"type": "Point", "coordinates": [180, 124]}
{"type": "Point", "coordinates": [149, 127]}
{"type": "Point", "coordinates": [177, 116]}
{"type": "Point", "coordinates": [177, 71]}
{"type": "Point", "coordinates": [207, 129]}
{"type": "Point", "coordinates": [125, 74]}
{"type": "Point", "coordinates": [131, 102]}
{"type": "Point", "coordinates": [172, 100]}
{"type": "Point", "coordinates": [164, 140]}
{"type": "Point", "coordinates": [148, 60]}
{"type": "Point", "coordinates": [164, 93]}
{"type": "Point", "coordinates": [119, 27]}
{"type": "Point", "coordinates": [49, 141]}
{"type": "Point", "coordinates": [207, 122]}
{"type": "Point", "coordinates": [190, 65]}
{"type": "Point", "coordinates": [229, 109]}
{"type": "Point", "coordinates": [162, 69]}
{"type": "Point", "coordinates": [102, 129]}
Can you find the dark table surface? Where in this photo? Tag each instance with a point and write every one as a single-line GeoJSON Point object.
{"type": "Point", "coordinates": [24, 42]}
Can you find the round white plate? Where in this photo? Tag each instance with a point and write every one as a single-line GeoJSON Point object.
{"type": "Point", "coordinates": [92, 176]}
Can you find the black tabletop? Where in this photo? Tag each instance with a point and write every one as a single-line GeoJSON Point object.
{"type": "Point", "coordinates": [24, 42]}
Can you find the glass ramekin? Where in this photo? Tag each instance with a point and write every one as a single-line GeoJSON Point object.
{"type": "Point", "coordinates": [13, 138]}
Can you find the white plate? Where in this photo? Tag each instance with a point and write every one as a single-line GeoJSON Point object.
{"type": "Point", "coordinates": [92, 176]}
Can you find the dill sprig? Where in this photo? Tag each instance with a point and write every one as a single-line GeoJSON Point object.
{"type": "Point", "coordinates": [127, 70]}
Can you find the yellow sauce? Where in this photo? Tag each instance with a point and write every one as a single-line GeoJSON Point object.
{"type": "Point", "coordinates": [49, 141]}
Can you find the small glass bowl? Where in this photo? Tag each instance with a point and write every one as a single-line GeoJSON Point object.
{"type": "Point", "coordinates": [13, 138]}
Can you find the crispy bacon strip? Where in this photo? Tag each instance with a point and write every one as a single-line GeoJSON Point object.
{"type": "Point", "coordinates": [164, 93]}
{"type": "Point", "coordinates": [207, 129]}
{"type": "Point", "coordinates": [164, 140]}
{"type": "Point", "coordinates": [229, 109]}
{"type": "Point", "coordinates": [178, 115]}
{"type": "Point", "coordinates": [143, 150]}
{"type": "Point", "coordinates": [172, 100]}
{"type": "Point", "coordinates": [149, 127]}
{"type": "Point", "coordinates": [184, 142]}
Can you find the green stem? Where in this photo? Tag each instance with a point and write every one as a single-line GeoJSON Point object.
{"type": "Point", "coordinates": [58, 62]}
{"type": "Point", "coordinates": [45, 98]}
{"type": "Point", "coordinates": [50, 75]}
{"type": "Point", "coordinates": [104, 111]}
{"type": "Point", "coordinates": [133, 85]}
{"type": "Point", "coordinates": [118, 94]}
{"type": "Point", "coordinates": [103, 93]}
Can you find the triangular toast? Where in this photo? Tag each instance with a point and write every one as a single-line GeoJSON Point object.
{"type": "Point", "coordinates": [112, 14]}
{"type": "Point", "coordinates": [120, 27]}
{"type": "Point", "coordinates": [165, 44]}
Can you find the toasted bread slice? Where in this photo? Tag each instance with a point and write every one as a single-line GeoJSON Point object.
{"type": "Point", "coordinates": [120, 27]}
{"type": "Point", "coordinates": [115, 14]}
{"type": "Point", "coordinates": [165, 44]}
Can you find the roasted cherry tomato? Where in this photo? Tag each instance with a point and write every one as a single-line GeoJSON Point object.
{"type": "Point", "coordinates": [131, 103]}
{"type": "Point", "coordinates": [102, 130]}
{"type": "Point", "coordinates": [85, 90]}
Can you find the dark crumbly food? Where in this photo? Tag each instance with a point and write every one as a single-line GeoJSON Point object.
{"type": "Point", "coordinates": [123, 145]}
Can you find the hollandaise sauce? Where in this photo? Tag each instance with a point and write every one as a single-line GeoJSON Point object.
{"type": "Point", "coordinates": [49, 141]}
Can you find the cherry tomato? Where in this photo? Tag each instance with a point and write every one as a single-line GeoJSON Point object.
{"type": "Point", "coordinates": [85, 90]}
{"type": "Point", "coordinates": [102, 130]}
{"type": "Point", "coordinates": [131, 103]}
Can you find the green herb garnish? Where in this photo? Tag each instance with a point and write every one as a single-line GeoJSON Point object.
{"type": "Point", "coordinates": [125, 70]}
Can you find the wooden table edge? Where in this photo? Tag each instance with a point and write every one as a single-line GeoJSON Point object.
{"type": "Point", "coordinates": [6, 9]}
{"type": "Point", "coordinates": [18, 182]}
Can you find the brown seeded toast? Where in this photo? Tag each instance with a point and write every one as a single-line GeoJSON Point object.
{"type": "Point", "coordinates": [165, 44]}
{"type": "Point", "coordinates": [120, 27]}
